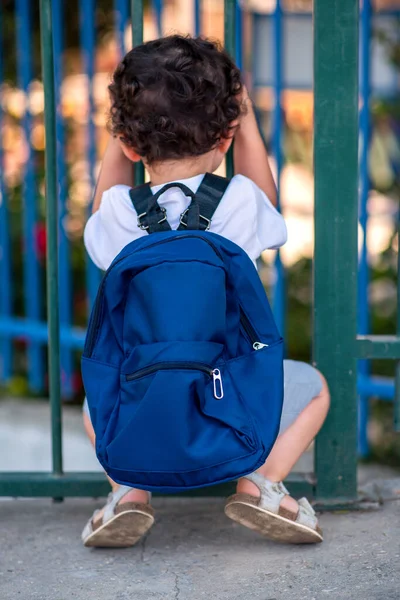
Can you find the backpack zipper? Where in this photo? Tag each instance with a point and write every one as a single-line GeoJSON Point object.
{"type": "Point", "coordinates": [188, 366]}
{"type": "Point", "coordinates": [250, 331]}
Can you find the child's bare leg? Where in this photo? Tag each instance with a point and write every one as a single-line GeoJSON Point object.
{"type": "Point", "coordinates": [291, 444]}
{"type": "Point", "coordinates": [133, 496]}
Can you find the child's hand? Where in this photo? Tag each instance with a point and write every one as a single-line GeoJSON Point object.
{"type": "Point", "coordinates": [247, 118]}
{"type": "Point", "coordinates": [250, 155]}
{"type": "Point", "coordinates": [246, 101]}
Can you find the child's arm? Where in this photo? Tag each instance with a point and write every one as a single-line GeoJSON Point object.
{"type": "Point", "coordinates": [249, 153]}
{"type": "Point", "coordinates": [116, 169]}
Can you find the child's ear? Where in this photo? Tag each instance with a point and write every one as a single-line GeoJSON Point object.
{"type": "Point", "coordinates": [130, 152]}
{"type": "Point", "coordinates": [225, 144]}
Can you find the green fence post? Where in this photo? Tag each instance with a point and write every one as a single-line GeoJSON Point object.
{"type": "Point", "coordinates": [137, 38]}
{"type": "Point", "coordinates": [396, 407]}
{"type": "Point", "coordinates": [335, 264]}
{"type": "Point", "coordinates": [230, 46]}
{"type": "Point", "coordinates": [46, 36]}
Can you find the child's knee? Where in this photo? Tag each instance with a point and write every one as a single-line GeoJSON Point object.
{"type": "Point", "coordinates": [324, 396]}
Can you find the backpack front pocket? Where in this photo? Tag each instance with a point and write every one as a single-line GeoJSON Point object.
{"type": "Point", "coordinates": [174, 427]}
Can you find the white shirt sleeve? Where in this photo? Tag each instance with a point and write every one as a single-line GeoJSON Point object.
{"type": "Point", "coordinates": [271, 226]}
{"type": "Point", "coordinates": [247, 217]}
{"type": "Point", "coordinates": [112, 227]}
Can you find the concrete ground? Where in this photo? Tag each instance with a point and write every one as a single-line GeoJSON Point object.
{"type": "Point", "coordinates": [193, 551]}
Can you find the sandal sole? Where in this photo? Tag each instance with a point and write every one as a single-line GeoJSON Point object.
{"type": "Point", "coordinates": [122, 531]}
{"type": "Point", "coordinates": [271, 525]}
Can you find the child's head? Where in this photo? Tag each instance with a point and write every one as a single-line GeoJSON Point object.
{"type": "Point", "coordinates": [175, 98]}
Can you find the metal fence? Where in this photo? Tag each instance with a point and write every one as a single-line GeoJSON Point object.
{"type": "Point", "coordinates": [336, 345]}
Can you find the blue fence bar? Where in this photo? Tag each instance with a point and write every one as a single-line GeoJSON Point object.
{"type": "Point", "coordinates": [363, 278]}
{"type": "Point", "coordinates": [5, 264]}
{"type": "Point", "coordinates": [71, 337]}
{"type": "Point", "coordinates": [32, 289]}
{"type": "Point", "coordinates": [239, 36]}
{"type": "Point", "coordinates": [66, 357]}
{"type": "Point", "coordinates": [88, 28]}
{"type": "Point", "coordinates": [122, 15]}
{"type": "Point", "coordinates": [158, 9]}
{"type": "Point", "coordinates": [279, 295]}
{"type": "Point", "coordinates": [197, 17]}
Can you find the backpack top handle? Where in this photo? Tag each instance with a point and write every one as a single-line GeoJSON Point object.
{"type": "Point", "coordinates": [153, 218]}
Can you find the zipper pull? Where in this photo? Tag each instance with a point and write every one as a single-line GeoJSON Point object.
{"type": "Point", "coordinates": [217, 381]}
{"type": "Point", "coordinates": [259, 346]}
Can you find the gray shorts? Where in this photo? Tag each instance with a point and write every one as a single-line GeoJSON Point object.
{"type": "Point", "coordinates": [302, 383]}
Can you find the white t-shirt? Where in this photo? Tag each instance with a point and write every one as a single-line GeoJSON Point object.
{"type": "Point", "coordinates": [245, 216]}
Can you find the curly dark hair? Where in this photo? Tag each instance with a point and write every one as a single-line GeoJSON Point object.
{"type": "Point", "coordinates": [174, 97]}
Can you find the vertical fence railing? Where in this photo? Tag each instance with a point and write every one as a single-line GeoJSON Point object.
{"type": "Point", "coordinates": [230, 45]}
{"type": "Point", "coordinates": [5, 258]}
{"type": "Point", "coordinates": [137, 15]}
{"type": "Point", "coordinates": [65, 295]}
{"type": "Point", "coordinates": [121, 8]}
{"type": "Point", "coordinates": [158, 9]}
{"type": "Point", "coordinates": [396, 410]}
{"type": "Point", "coordinates": [88, 45]}
{"type": "Point", "coordinates": [279, 299]}
{"type": "Point", "coordinates": [197, 17]}
{"type": "Point", "coordinates": [335, 261]}
{"type": "Point", "coordinates": [32, 290]}
{"type": "Point", "coordinates": [239, 36]}
{"type": "Point", "coordinates": [47, 54]}
{"type": "Point", "coordinates": [363, 279]}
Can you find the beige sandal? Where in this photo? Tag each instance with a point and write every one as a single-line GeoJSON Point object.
{"type": "Point", "coordinates": [121, 526]}
{"type": "Point", "coordinates": [265, 514]}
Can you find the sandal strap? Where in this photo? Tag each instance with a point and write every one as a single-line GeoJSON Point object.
{"type": "Point", "coordinates": [112, 501]}
{"type": "Point", "coordinates": [271, 493]}
{"type": "Point", "coordinates": [271, 498]}
{"type": "Point", "coordinates": [109, 512]}
{"type": "Point", "coordinates": [306, 515]}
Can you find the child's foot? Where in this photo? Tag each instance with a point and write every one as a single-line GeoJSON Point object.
{"type": "Point", "coordinates": [268, 508]}
{"type": "Point", "coordinates": [121, 523]}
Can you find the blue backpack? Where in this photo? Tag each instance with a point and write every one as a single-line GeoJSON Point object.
{"type": "Point", "coordinates": [183, 363]}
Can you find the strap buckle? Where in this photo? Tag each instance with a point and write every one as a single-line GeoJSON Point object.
{"type": "Point", "coordinates": [164, 217]}
{"type": "Point", "coordinates": [139, 222]}
{"type": "Point", "coordinates": [143, 226]}
{"type": "Point", "coordinates": [183, 215]}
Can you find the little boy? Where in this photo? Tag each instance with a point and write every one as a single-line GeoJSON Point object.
{"type": "Point", "coordinates": [177, 103]}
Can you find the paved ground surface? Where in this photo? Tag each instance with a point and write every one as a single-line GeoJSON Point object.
{"type": "Point", "coordinates": [195, 552]}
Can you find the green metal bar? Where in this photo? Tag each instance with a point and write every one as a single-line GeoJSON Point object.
{"type": "Point", "coordinates": [378, 346]}
{"type": "Point", "coordinates": [46, 35]}
{"type": "Point", "coordinates": [335, 264]}
{"type": "Point", "coordinates": [230, 45]}
{"type": "Point", "coordinates": [48, 485]}
{"type": "Point", "coordinates": [137, 22]}
{"type": "Point", "coordinates": [396, 406]}
{"type": "Point", "coordinates": [137, 39]}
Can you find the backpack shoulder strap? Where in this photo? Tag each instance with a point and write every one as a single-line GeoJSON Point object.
{"type": "Point", "coordinates": [201, 210]}
{"type": "Point", "coordinates": [151, 216]}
